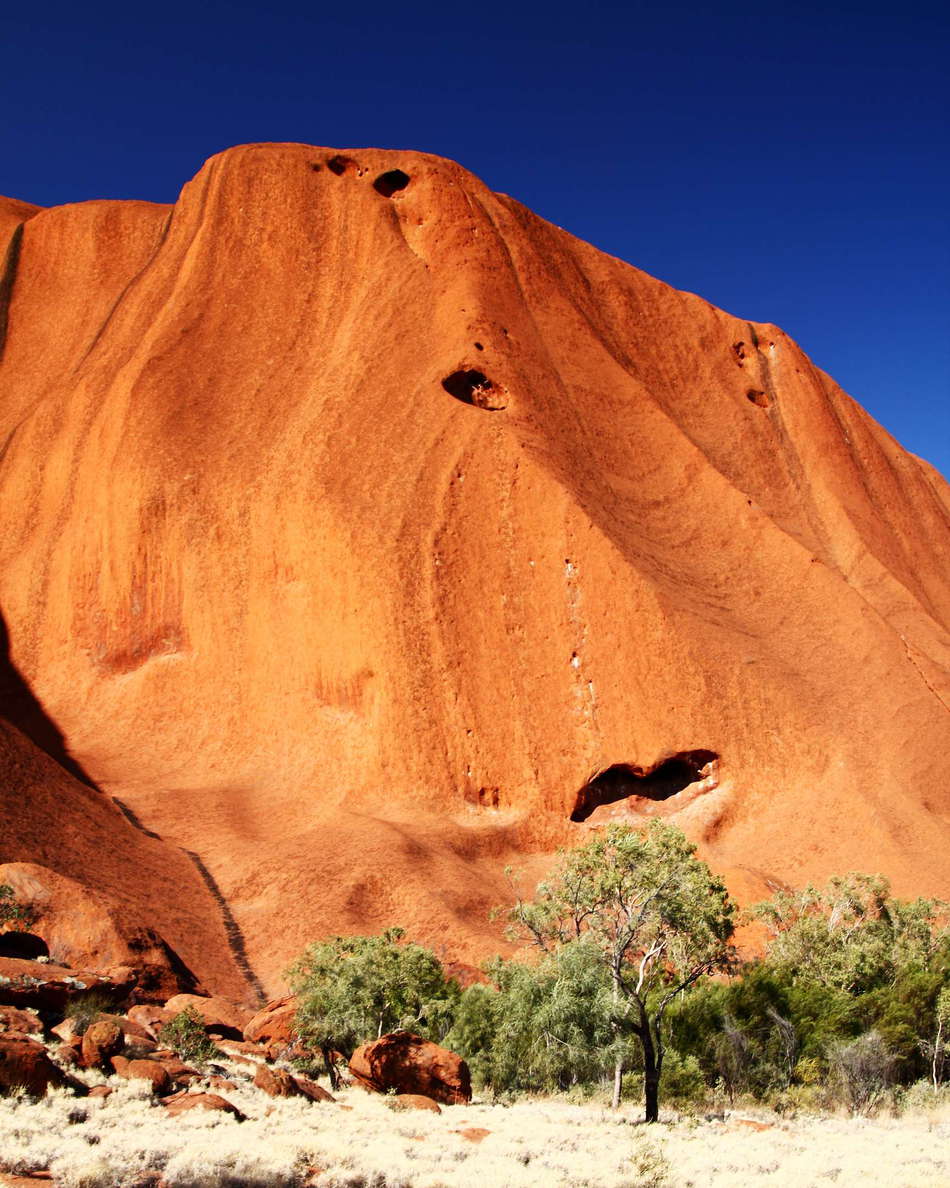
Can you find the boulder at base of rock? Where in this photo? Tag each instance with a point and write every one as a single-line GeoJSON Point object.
{"type": "Point", "coordinates": [415, 1101]}
{"type": "Point", "coordinates": [409, 1064]}
{"type": "Point", "coordinates": [182, 1102]}
{"type": "Point", "coordinates": [312, 1090]}
{"type": "Point", "coordinates": [224, 1018]}
{"type": "Point", "coordinates": [180, 1073]}
{"type": "Point", "coordinates": [150, 1017]}
{"type": "Point", "coordinates": [153, 1072]}
{"type": "Point", "coordinates": [24, 1064]}
{"type": "Point", "coordinates": [102, 1041]}
{"type": "Point", "coordinates": [277, 1082]}
{"type": "Point", "coordinates": [69, 1052]}
{"type": "Point", "coordinates": [275, 1023]}
{"type": "Point", "coordinates": [23, 1021]}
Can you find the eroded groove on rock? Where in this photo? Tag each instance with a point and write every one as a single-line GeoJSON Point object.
{"type": "Point", "coordinates": [7, 279]}
{"type": "Point", "coordinates": [623, 781]}
{"type": "Point", "coordinates": [231, 927]}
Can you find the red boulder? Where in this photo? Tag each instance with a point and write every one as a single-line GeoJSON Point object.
{"type": "Point", "coordinates": [407, 1063]}
{"type": "Point", "coordinates": [24, 1064]}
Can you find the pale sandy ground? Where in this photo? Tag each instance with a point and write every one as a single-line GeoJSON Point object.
{"type": "Point", "coordinates": [533, 1144]}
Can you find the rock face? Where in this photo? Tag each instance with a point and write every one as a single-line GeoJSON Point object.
{"type": "Point", "coordinates": [360, 539]}
{"type": "Point", "coordinates": [410, 1065]}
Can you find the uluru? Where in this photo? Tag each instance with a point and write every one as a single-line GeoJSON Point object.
{"type": "Point", "coordinates": [364, 534]}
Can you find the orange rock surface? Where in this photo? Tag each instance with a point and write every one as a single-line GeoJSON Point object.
{"type": "Point", "coordinates": [355, 519]}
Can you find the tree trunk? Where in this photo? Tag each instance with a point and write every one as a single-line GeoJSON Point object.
{"type": "Point", "coordinates": [618, 1081]}
{"type": "Point", "coordinates": [330, 1065]}
{"type": "Point", "coordinates": [651, 1077]}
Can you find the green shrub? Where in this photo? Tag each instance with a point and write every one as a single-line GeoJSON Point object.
{"type": "Point", "coordinates": [86, 1010]}
{"type": "Point", "coordinates": [185, 1034]}
{"type": "Point", "coordinates": [13, 912]}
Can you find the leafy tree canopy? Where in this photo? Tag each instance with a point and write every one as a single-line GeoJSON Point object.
{"type": "Point", "coordinates": [356, 988]}
{"type": "Point", "coordinates": [852, 935]}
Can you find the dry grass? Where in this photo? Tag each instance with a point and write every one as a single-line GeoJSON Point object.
{"type": "Point", "coordinates": [113, 1143]}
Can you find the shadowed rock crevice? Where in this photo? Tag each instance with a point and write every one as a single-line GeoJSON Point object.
{"type": "Point", "coordinates": [20, 706]}
{"type": "Point", "coordinates": [623, 781]}
{"type": "Point", "coordinates": [26, 946]}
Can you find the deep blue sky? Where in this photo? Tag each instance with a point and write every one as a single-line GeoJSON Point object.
{"type": "Point", "coordinates": [791, 163]}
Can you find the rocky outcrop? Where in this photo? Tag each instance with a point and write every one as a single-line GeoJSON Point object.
{"type": "Point", "coordinates": [358, 537]}
{"type": "Point", "coordinates": [86, 928]}
{"type": "Point", "coordinates": [406, 1064]}
{"type": "Point", "coordinates": [49, 987]}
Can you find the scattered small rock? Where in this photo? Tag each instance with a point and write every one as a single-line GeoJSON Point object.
{"type": "Point", "coordinates": [415, 1101]}
{"type": "Point", "coordinates": [182, 1102]}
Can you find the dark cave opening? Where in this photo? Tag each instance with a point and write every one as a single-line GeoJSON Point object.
{"type": "Point", "coordinates": [475, 388]}
{"type": "Point", "coordinates": [25, 946]}
{"type": "Point", "coordinates": [391, 182]}
{"type": "Point", "coordinates": [340, 165]}
{"type": "Point", "coordinates": [623, 781]}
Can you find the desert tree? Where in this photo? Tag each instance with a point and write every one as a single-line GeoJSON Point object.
{"type": "Point", "coordinates": [356, 988]}
{"type": "Point", "coordinates": [656, 917]}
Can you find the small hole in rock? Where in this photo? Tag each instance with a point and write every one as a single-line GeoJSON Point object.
{"type": "Point", "coordinates": [391, 182]}
{"type": "Point", "coordinates": [340, 165]}
{"type": "Point", "coordinates": [626, 781]}
{"type": "Point", "coordinates": [479, 347]}
{"type": "Point", "coordinates": [316, 166]}
{"type": "Point", "coordinates": [757, 397]}
{"type": "Point", "coordinates": [475, 388]}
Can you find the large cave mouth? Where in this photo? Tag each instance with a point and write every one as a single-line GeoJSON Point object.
{"type": "Point", "coordinates": [624, 781]}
